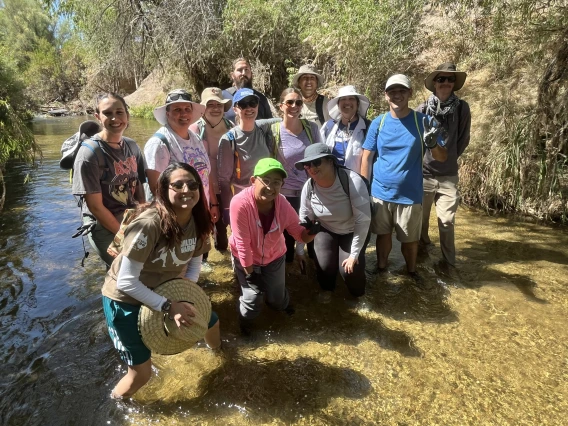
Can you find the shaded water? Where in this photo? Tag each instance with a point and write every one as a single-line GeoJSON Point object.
{"type": "Point", "coordinates": [486, 344]}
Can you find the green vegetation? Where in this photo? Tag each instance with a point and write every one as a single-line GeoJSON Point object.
{"type": "Point", "coordinates": [143, 111]}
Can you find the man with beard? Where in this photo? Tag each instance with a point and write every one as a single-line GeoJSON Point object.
{"type": "Point", "coordinates": [242, 78]}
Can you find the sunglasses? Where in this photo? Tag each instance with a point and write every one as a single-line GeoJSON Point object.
{"type": "Point", "coordinates": [296, 102]}
{"type": "Point", "coordinates": [313, 163]}
{"type": "Point", "coordinates": [253, 103]}
{"type": "Point", "coordinates": [178, 185]}
{"type": "Point", "coordinates": [178, 96]}
{"type": "Point", "coordinates": [442, 79]}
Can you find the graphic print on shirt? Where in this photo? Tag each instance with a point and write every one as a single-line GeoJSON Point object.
{"type": "Point", "coordinates": [123, 185]}
{"type": "Point", "coordinates": [197, 159]}
{"type": "Point", "coordinates": [187, 246]}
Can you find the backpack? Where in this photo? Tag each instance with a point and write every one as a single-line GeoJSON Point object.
{"type": "Point", "coordinates": [117, 243]}
{"type": "Point", "coordinates": [319, 109]}
{"type": "Point", "coordinates": [343, 174]}
{"type": "Point", "coordinates": [275, 127]}
{"type": "Point", "coordinates": [71, 145]}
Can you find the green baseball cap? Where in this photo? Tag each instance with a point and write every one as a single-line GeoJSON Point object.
{"type": "Point", "coordinates": [267, 165]}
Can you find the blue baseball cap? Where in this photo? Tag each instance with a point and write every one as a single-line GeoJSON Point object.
{"type": "Point", "coordinates": [241, 94]}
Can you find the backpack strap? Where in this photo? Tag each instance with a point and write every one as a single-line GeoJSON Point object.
{"type": "Point", "coordinates": [319, 108]}
{"type": "Point", "coordinates": [344, 180]}
{"type": "Point", "coordinates": [201, 128]}
{"type": "Point", "coordinates": [231, 137]}
{"type": "Point", "coordinates": [420, 135]}
{"type": "Point", "coordinates": [98, 151]}
{"type": "Point", "coordinates": [275, 127]}
{"type": "Point", "coordinates": [308, 129]}
{"type": "Point", "coordinates": [163, 138]}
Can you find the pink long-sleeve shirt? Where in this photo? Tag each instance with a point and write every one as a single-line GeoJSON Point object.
{"type": "Point", "coordinates": [248, 242]}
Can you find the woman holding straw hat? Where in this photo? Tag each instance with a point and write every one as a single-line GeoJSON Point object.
{"type": "Point", "coordinates": [165, 237]}
{"type": "Point", "coordinates": [345, 132]}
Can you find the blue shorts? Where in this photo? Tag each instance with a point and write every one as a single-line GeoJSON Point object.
{"type": "Point", "coordinates": [122, 323]}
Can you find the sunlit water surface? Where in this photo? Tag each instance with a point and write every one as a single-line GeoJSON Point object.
{"type": "Point", "coordinates": [483, 344]}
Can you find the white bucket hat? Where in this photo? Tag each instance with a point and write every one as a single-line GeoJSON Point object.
{"type": "Point", "coordinates": [345, 91]}
{"type": "Point", "coordinates": [160, 334]}
{"type": "Point", "coordinates": [175, 97]}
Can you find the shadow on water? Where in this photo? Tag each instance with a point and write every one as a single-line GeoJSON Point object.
{"type": "Point", "coordinates": [264, 389]}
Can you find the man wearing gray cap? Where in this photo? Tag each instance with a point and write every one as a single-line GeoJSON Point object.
{"type": "Point", "coordinates": [398, 138]}
{"type": "Point", "coordinates": [308, 80]}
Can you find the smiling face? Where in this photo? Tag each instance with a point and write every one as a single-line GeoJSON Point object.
{"type": "Point", "coordinates": [242, 75]}
{"type": "Point", "coordinates": [267, 187]}
{"type": "Point", "coordinates": [113, 116]}
{"type": "Point", "coordinates": [323, 169]}
{"type": "Point", "coordinates": [445, 89]}
{"type": "Point", "coordinates": [181, 197]}
{"type": "Point", "coordinates": [397, 97]}
{"type": "Point", "coordinates": [214, 111]}
{"type": "Point", "coordinates": [308, 84]}
{"type": "Point", "coordinates": [294, 110]}
{"type": "Point", "coordinates": [244, 109]}
{"type": "Point", "coordinates": [348, 106]}
{"type": "Point", "coordinates": [179, 117]}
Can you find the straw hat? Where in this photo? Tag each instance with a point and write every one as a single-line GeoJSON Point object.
{"type": "Point", "coordinates": [160, 334]}
{"type": "Point", "coordinates": [307, 69]}
{"type": "Point", "coordinates": [447, 67]}
{"type": "Point", "coordinates": [215, 94]}
{"type": "Point", "coordinates": [345, 91]}
{"type": "Point", "coordinates": [176, 97]}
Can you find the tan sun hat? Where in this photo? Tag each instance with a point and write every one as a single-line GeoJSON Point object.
{"type": "Point", "coordinates": [307, 69]}
{"type": "Point", "coordinates": [215, 94]}
{"type": "Point", "coordinates": [160, 334]}
{"type": "Point", "coordinates": [446, 67]}
{"type": "Point", "coordinates": [176, 97]}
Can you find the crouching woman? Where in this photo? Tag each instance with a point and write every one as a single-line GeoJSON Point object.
{"type": "Point", "coordinates": [259, 217]}
{"type": "Point", "coordinates": [165, 237]}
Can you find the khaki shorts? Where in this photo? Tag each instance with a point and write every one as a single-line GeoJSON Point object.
{"type": "Point", "coordinates": [406, 219]}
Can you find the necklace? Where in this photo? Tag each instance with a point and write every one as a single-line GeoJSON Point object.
{"type": "Point", "coordinates": [212, 126]}
{"type": "Point", "coordinates": [311, 98]}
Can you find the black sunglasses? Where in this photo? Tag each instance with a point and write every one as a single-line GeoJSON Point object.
{"type": "Point", "coordinates": [292, 102]}
{"type": "Point", "coordinates": [442, 79]}
{"type": "Point", "coordinates": [253, 103]}
{"type": "Point", "coordinates": [178, 185]}
{"type": "Point", "coordinates": [313, 163]}
{"type": "Point", "coordinates": [178, 96]}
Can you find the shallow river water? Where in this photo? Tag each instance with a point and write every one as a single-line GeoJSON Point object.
{"type": "Point", "coordinates": [484, 344]}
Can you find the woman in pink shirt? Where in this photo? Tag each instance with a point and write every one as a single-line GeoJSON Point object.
{"type": "Point", "coordinates": [259, 216]}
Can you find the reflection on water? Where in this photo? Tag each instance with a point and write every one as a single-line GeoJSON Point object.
{"type": "Point", "coordinates": [485, 343]}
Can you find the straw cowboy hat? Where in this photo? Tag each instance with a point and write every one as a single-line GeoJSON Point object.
{"type": "Point", "coordinates": [215, 94]}
{"type": "Point", "coordinates": [307, 69]}
{"type": "Point", "coordinates": [447, 67]}
{"type": "Point", "coordinates": [160, 334]}
{"type": "Point", "coordinates": [345, 91]}
{"type": "Point", "coordinates": [176, 97]}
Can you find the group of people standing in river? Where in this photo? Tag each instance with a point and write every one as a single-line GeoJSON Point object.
{"type": "Point", "coordinates": [321, 175]}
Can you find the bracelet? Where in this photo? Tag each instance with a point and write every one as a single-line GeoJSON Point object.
{"type": "Point", "coordinates": [213, 205]}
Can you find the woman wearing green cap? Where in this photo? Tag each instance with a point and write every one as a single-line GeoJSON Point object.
{"type": "Point", "coordinates": [259, 216]}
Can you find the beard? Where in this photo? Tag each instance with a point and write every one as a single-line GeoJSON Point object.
{"type": "Point", "coordinates": [243, 83]}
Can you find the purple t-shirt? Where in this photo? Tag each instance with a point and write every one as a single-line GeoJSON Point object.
{"type": "Point", "coordinates": [290, 151]}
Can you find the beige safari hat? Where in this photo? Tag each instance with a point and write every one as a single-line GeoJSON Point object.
{"type": "Point", "coordinates": [307, 69]}
{"type": "Point", "coordinates": [215, 94]}
{"type": "Point", "coordinates": [449, 68]}
{"type": "Point", "coordinates": [160, 334]}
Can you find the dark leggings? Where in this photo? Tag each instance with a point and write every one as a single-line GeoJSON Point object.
{"type": "Point", "coordinates": [221, 241]}
{"type": "Point", "coordinates": [331, 250]}
{"type": "Point", "coordinates": [290, 241]}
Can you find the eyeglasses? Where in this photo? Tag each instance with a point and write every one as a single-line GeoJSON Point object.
{"type": "Point", "coordinates": [292, 102]}
{"type": "Point", "coordinates": [253, 103]}
{"type": "Point", "coordinates": [313, 163]}
{"type": "Point", "coordinates": [277, 183]}
{"type": "Point", "coordinates": [442, 79]}
{"type": "Point", "coordinates": [177, 96]}
{"type": "Point", "coordinates": [178, 185]}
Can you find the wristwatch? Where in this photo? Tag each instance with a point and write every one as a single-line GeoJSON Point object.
{"type": "Point", "coordinates": [166, 306]}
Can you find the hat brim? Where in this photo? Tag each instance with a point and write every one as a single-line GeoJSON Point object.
{"type": "Point", "coordinates": [300, 164]}
{"type": "Point", "coordinates": [460, 79]}
{"type": "Point", "coordinates": [296, 78]}
{"type": "Point", "coordinates": [197, 113]}
{"type": "Point", "coordinates": [335, 113]}
{"type": "Point", "coordinates": [227, 103]}
{"type": "Point", "coordinates": [160, 334]}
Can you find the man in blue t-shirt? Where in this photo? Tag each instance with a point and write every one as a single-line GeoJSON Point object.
{"type": "Point", "coordinates": [399, 138]}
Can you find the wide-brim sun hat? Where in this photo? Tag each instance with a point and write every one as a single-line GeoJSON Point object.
{"type": "Point", "coordinates": [307, 69]}
{"type": "Point", "coordinates": [215, 94]}
{"type": "Point", "coordinates": [313, 152]}
{"type": "Point", "coordinates": [178, 96]}
{"type": "Point", "coordinates": [160, 334]}
{"type": "Point", "coordinates": [333, 107]}
{"type": "Point", "coordinates": [398, 80]}
{"type": "Point", "coordinates": [446, 67]}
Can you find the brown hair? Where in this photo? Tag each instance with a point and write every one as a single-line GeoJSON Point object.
{"type": "Point", "coordinates": [241, 59]}
{"type": "Point", "coordinates": [104, 96]}
{"type": "Point", "coordinates": [287, 91]}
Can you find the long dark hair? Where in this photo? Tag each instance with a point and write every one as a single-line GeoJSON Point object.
{"type": "Point", "coordinates": [104, 96]}
{"type": "Point", "coordinates": [168, 218]}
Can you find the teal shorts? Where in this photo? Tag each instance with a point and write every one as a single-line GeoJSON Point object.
{"type": "Point", "coordinates": [122, 323]}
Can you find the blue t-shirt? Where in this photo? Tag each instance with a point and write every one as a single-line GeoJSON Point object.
{"type": "Point", "coordinates": [397, 171]}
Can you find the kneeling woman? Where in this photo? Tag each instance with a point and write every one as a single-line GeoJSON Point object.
{"type": "Point", "coordinates": [166, 236]}
{"type": "Point", "coordinates": [338, 198]}
{"type": "Point", "coordinates": [259, 217]}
